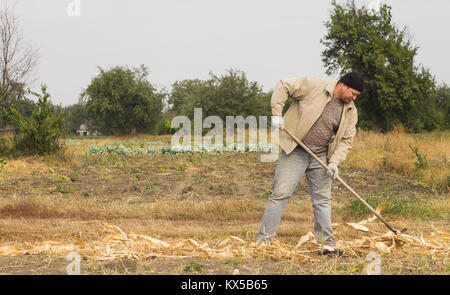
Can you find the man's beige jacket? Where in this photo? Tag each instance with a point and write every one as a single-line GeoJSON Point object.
{"type": "Point", "coordinates": [310, 95]}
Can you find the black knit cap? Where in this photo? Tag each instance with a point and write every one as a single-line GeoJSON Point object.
{"type": "Point", "coordinates": [353, 80]}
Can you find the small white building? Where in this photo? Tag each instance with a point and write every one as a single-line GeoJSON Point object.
{"type": "Point", "coordinates": [83, 130]}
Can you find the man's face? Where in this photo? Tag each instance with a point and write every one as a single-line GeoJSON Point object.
{"type": "Point", "coordinates": [348, 94]}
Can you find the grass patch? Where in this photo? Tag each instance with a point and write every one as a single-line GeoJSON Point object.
{"type": "Point", "coordinates": [447, 269]}
{"type": "Point", "coordinates": [397, 206]}
{"type": "Point", "coordinates": [194, 266]}
{"type": "Point", "coordinates": [234, 261]}
{"type": "Point", "coordinates": [422, 157]}
{"type": "Point", "coordinates": [71, 208]}
{"type": "Point", "coordinates": [353, 268]}
{"type": "Point", "coordinates": [218, 210]}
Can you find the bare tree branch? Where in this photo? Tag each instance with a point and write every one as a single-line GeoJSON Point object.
{"type": "Point", "coordinates": [17, 59]}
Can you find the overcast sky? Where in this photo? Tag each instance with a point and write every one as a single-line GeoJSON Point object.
{"type": "Point", "coordinates": [184, 39]}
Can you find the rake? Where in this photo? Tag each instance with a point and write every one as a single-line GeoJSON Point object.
{"type": "Point", "coordinates": [344, 184]}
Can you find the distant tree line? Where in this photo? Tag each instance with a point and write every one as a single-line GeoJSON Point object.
{"type": "Point", "coordinates": [144, 109]}
{"type": "Point", "coordinates": [123, 101]}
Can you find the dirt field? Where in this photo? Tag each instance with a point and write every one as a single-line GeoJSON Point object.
{"type": "Point", "coordinates": [205, 197]}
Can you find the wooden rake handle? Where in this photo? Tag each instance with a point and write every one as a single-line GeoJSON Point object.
{"type": "Point", "coordinates": [342, 181]}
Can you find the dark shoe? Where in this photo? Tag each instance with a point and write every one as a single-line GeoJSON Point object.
{"type": "Point", "coordinates": [331, 253]}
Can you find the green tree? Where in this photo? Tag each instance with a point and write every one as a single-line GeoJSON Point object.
{"type": "Point", "coordinates": [76, 115]}
{"type": "Point", "coordinates": [19, 102]}
{"type": "Point", "coordinates": [23, 105]}
{"type": "Point", "coordinates": [231, 94]}
{"type": "Point", "coordinates": [368, 41]}
{"type": "Point", "coordinates": [123, 101]}
{"type": "Point", "coordinates": [441, 104]}
{"type": "Point", "coordinates": [185, 94]}
{"type": "Point", "coordinates": [41, 132]}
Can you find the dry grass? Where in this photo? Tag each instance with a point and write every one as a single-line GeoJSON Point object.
{"type": "Point", "coordinates": [169, 219]}
{"type": "Point", "coordinates": [406, 254]}
{"type": "Point", "coordinates": [68, 195]}
{"type": "Point", "coordinates": [394, 151]}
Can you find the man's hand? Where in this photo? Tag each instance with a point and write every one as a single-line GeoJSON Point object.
{"type": "Point", "coordinates": [333, 168]}
{"type": "Point", "coordinates": [277, 122]}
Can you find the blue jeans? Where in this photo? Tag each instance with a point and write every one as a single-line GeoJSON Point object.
{"type": "Point", "coordinates": [290, 169]}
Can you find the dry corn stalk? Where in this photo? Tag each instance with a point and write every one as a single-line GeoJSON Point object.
{"type": "Point", "coordinates": [118, 244]}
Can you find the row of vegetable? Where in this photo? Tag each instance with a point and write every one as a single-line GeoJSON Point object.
{"type": "Point", "coordinates": [127, 149]}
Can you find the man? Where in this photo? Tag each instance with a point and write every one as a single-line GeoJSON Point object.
{"type": "Point", "coordinates": [324, 117]}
